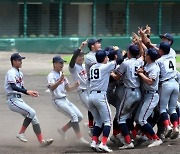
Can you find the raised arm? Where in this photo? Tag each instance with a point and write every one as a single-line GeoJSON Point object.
{"type": "Point", "coordinates": [76, 54]}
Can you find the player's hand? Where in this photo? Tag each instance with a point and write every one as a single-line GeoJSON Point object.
{"type": "Point", "coordinates": [33, 93]}
{"type": "Point", "coordinates": [77, 83]}
{"type": "Point", "coordinates": [140, 71]}
{"type": "Point", "coordinates": [115, 48]}
{"type": "Point", "coordinates": [60, 81]}
{"type": "Point", "coordinates": [83, 44]}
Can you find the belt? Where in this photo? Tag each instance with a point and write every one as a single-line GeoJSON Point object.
{"type": "Point", "coordinates": [151, 91]}
{"type": "Point", "coordinates": [98, 91]}
{"type": "Point", "coordinates": [15, 95]}
{"type": "Point", "coordinates": [133, 89]}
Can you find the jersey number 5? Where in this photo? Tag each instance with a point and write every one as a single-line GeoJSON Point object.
{"type": "Point", "coordinates": [94, 74]}
{"type": "Point", "coordinates": [171, 65]}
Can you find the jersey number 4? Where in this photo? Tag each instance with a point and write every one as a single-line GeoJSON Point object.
{"type": "Point", "coordinates": [94, 74]}
{"type": "Point", "coordinates": [171, 65]}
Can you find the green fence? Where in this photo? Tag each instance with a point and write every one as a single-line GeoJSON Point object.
{"type": "Point", "coordinates": [66, 45]}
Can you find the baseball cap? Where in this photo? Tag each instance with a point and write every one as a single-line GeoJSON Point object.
{"type": "Point", "coordinates": [167, 36]}
{"type": "Point", "coordinates": [100, 55]}
{"type": "Point", "coordinates": [16, 56]}
{"type": "Point", "coordinates": [153, 53]}
{"type": "Point", "coordinates": [165, 46]}
{"type": "Point", "coordinates": [134, 50]}
{"type": "Point", "coordinates": [93, 41]}
{"type": "Point", "coordinates": [58, 59]}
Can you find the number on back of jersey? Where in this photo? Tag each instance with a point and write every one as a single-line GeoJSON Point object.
{"type": "Point", "coordinates": [95, 74]}
{"type": "Point", "coordinates": [171, 66]}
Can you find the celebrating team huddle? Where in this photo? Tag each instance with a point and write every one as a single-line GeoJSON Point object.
{"type": "Point", "coordinates": [142, 84]}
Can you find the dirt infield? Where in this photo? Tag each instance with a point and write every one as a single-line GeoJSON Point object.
{"type": "Point", "coordinates": [35, 69]}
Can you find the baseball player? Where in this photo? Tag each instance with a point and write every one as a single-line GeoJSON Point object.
{"type": "Point", "coordinates": [150, 78]}
{"type": "Point", "coordinates": [14, 86]}
{"type": "Point", "coordinates": [94, 45]}
{"type": "Point", "coordinates": [58, 85]}
{"type": "Point", "coordinates": [98, 104]}
{"type": "Point", "coordinates": [132, 94]}
{"type": "Point", "coordinates": [77, 70]}
{"type": "Point", "coordinates": [169, 90]}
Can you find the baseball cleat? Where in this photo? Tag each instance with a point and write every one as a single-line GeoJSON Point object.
{"type": "Point", "coordinates": [175, 133]}
{"type": "Point", "coordinates": [94, 146]}
{"type": "Point", "coordinates": [82, 140]}
{"type": "Point", "coordinates": [155, 143]}
{"type": "Point", "coordinates": [21, 137]}
{"type": "Point", "coordinates": [62, 133]}
{"type": "Point", "coordinates": [168, 131]}
{"type": "Point", "coordinates": [127, 146]}
{"type": "Point", "coordinates": [104, 148]}
{"type": "Point", "coordinates": [46, 143]}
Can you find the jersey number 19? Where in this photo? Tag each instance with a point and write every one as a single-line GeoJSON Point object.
{"type": "Point", "coordinates": [94, 74]}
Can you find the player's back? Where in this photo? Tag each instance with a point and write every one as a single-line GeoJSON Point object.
{"type": "Point", "coordinates": [128, 71]}
{"type": "Point", "coordinates": [167, 64]}
{"type": "Point", "coordinates": [99, 76]}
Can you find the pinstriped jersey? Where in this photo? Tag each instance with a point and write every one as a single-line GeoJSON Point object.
{"type": "Point", "coordinates": [13, 76]}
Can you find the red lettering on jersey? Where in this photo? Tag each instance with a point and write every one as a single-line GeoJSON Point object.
{"type": "Point", "coordinates": [18, 80]}
{"type": "Point", "coordinates": [83, 72]}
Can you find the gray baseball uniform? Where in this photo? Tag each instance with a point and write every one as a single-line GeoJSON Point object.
{"type": "Point", "coordinates": [98, 105]}
{"type": "Point", "coordinates": [132, 94]}
{"type": "Point", "coordinates": [169, 87]}
{"type": "Point", "coordinates": [59, 99]}
{"type": "Point", "coordinates": [89, 61]}
{"type": "Point", "coordinates": [79, 74]}
{"type": "Point", "coordinates": [151, 96]}
{"type": "Point", "coordinates": [14, 100]}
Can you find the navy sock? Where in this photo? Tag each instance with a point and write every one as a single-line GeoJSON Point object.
{"type": "Point", "coordinates": [148, 128]}
{"type": "Point", "coordinates": [106, 131]}
{"type": "Point", "coordinates": [124, 129]}
{"type": "Point", "coordinates": [174, 117]}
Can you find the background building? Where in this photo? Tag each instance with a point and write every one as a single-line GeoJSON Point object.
{"type": "Point", "coordinates": [60, 25]}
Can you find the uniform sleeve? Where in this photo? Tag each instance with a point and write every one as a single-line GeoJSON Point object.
{"type": "Point", "coordinates": [110, 66]}
{"type": "Point", "coordinates": [153, 74]}
{"type": "Point", "coordinates": [122, 68]}
{"type": "Point", "coordinates": [51, 80]}
{"type": "Point", "coordinates": [11, 77]}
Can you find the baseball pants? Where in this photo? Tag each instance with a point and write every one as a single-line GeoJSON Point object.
{"type": "Point", "coordinates": [64, 106]}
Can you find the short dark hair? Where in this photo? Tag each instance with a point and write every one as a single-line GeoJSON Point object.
{"type": "Point", "coordinates": [100, 56]}
{"type": "Point", "coordinates": [165, 47]}
{"type": "Point", "coordinates": [134, 50]}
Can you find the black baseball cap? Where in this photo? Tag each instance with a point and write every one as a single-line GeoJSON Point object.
{"type": "Point", "coordinates": [16, 56]}
{"type": "Point", "coordinates": [93, 41]}
{"type": "Point", "coordinates": [58, 59]}
{"type": "Point", "coordinates": [167, 36]}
